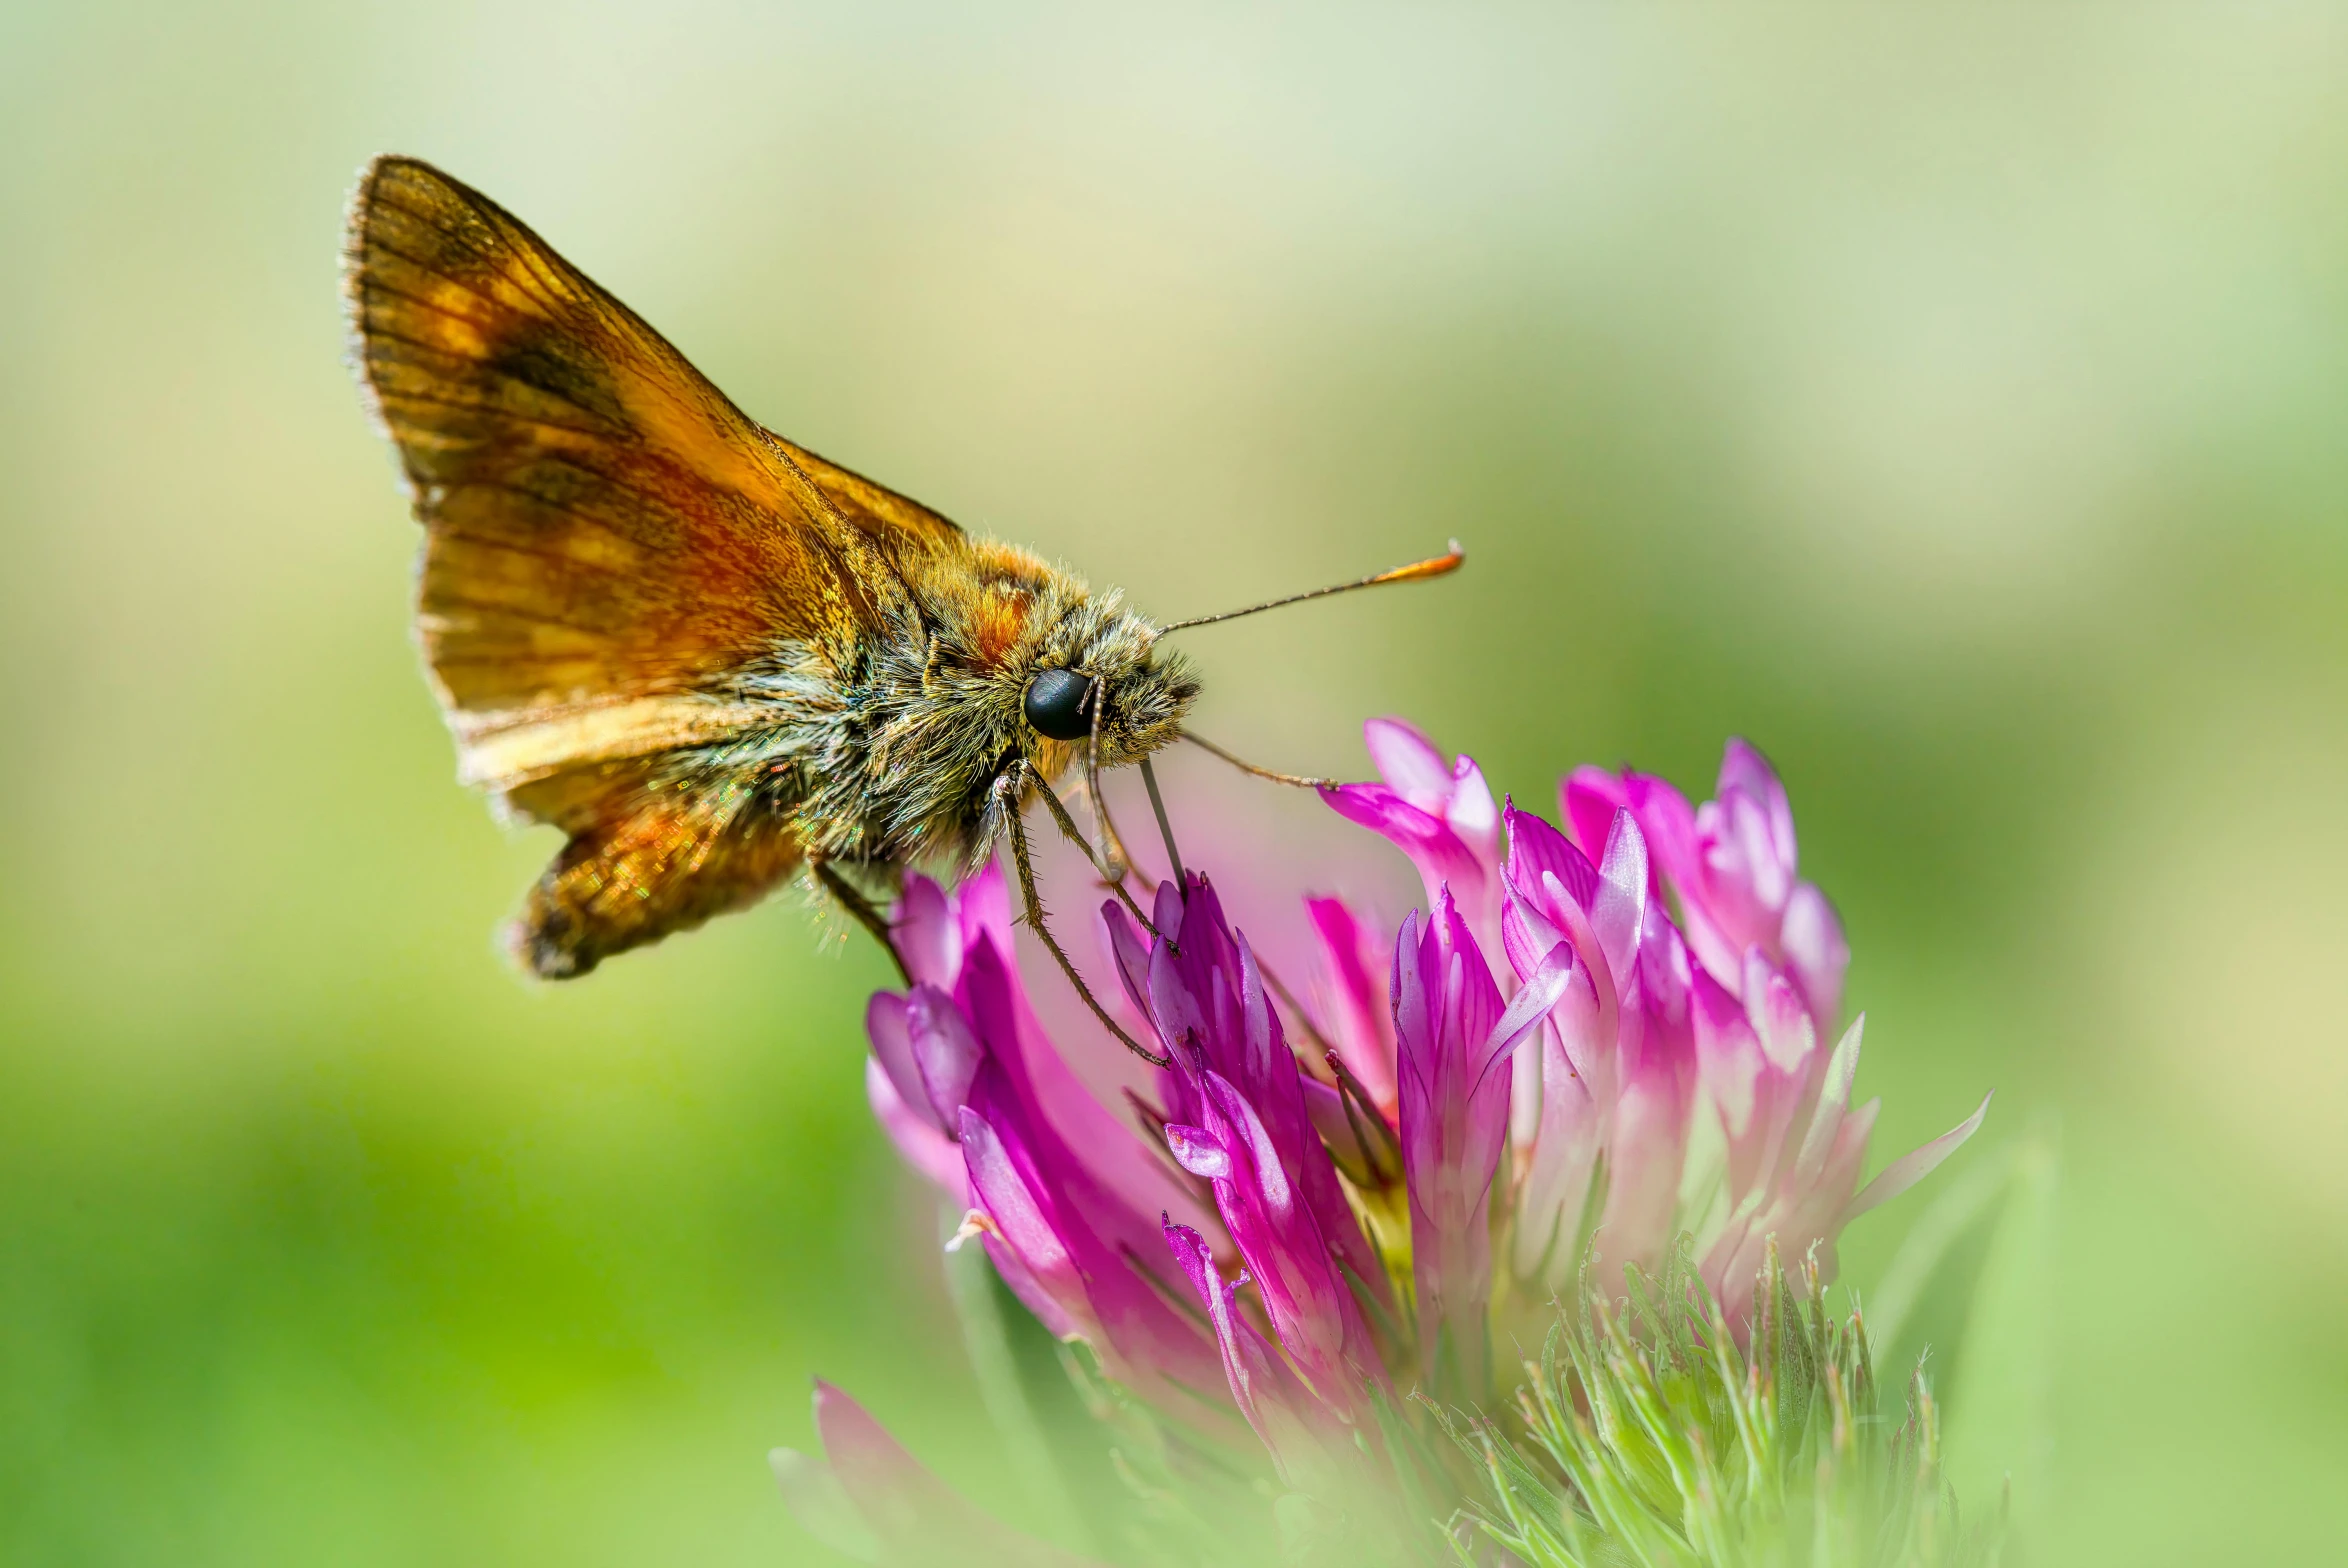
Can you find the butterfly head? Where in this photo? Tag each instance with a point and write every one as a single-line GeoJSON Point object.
{"type": "Point", "coordinates": [1102, 679]}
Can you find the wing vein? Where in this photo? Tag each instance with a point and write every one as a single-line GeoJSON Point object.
{"type": "Point", "coordinates": [506, 249]}
{"type": "Point", "coordinates": [391, 395]}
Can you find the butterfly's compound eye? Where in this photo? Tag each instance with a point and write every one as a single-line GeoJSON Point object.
{"type": "Point", "coordinates": [1056, 707]}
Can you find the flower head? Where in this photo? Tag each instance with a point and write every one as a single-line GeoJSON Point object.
{"type": "Point", "coordinates": [1600, 1042]}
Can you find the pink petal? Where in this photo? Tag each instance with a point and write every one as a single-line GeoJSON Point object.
{"type": "Point", "coordinates": [1130, 953]}
{"type": "Point", "coordinates": [1198, 1151]}
{"type": "Point", "coordinates": [1428, 838]}
{"type": "Point", "coordinates": [1352, 992]}
{"type": "Point", "coordinates": [928, 933]}
{"type": "Point", "coordinates": [1412, 764]}
{"type": "Point", "coordinates": [1812, 941]}
{"type": "Point", "coordinates": [930, 1152]}
{"type": "Point", "coordinates": [1621, 904]}
{"type": "Point", "coordinates": [1536, 851]}
{"type": "Point", "coordinates": [1557, 1182]}
{"type": "Point", "coordinates": [984, 908]}
{"type": "Point", "coordinates": [1470, 810]}
{"type": "Point", "coordinates": [1647, 1146]}
{"type": "Point", "coordinates": [1588, 799]}
{"type": "Point", "coordinates": [1263, 1388]}
{"type": "Point", "coordinates": [1579, 1017]}
{"type": "Point", "coordinates": [1745, 772]}
{"type": "Point", "coordinates": [1025, 1228]}
{"type": "Point", "coordinates": [917, 1517]}
{"type": "Point", "coordinates": [886, 1026]}
{"type": "Point", "coordinates": [945, 1052]}
{"type": "Point", "coordinates": [1728, 1054]}
{"type": "Point", "coordinates": [1834, 1096]}
{"type": "Point", "coordinates": [1544, 989]}
{"type": "Point", "coordinates": [1668, 821]}
{"type": "Point", "coordinates": [817, 1500]}
{"type": "Point", "coordinates": [1779, 1015]}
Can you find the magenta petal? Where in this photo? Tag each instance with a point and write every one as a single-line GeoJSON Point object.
{"type": "Point", "coordinates": [1788, 1035]}
{"type": "Point", "coordinates": [985, 905]}
{"type": "Point", "coordinates": [1536, 851]}
{"type": "Point", "coordinates": [917, 1517]}
{"type": "Point", "coordinates": [1352, 996]}
{"type": "Point", "coordinates": [1526, 934]}
{"type": "Point", "coordinates": [1454, 1121]}
{"type": "Point", "coordinates": [1812, 940]}
{"type": "Point", "coordinates": [1198, 1151]}
{"type": "Point", "coordinates": [1471, 811]}
{"type": "Point", "coordinates": [1668, 821]}
{"type": "Point", "coordinates": [1210, 1002]}
{"type": "Point", "coordinates": [1588, 800]}
{"type": "Point", "coordinates": [1166, 910]}
{"type": "Point", "coordinates": [1130, 952]}
{"type": "Point", "coordinates": [1260, 1385]}
{"type": "Point", "coordinates": [1409, 762]}
{"type": "Point", "coordinates": [1025, 1227]}
{"type": "Point", "coordinates": [1325, 1108]}
{"type": "Point", "coordinates": [886, 1026]}
{"type": "Point", "coordinates": [1312, 1312]}
{"type": "Point", "coordinates": [1728, 1054]}
{"type": "Point", "coordinates": [1658, 1028]}
{"type": "Point", "coordinates": [1621, 905]}
{"type": "Point", "coordinates": [915, 1133]}
{"type": "Point", "coordinates": [928, 933]}
{"type": "Point", "coordinates": [1543, 989]}
{"type": "Point", "coordinates": [1745, 772]}
{"type": "Point", "coordinates": [945, 1052]}
{"type": "Point", "coordinates": [1430, 841]}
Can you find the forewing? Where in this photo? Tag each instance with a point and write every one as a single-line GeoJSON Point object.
{"type": "Point", "coordinates": [607, 540]}
{"type": "Point", "coordinates": [606, 535]}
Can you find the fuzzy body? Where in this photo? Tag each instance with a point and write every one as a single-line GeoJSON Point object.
{"type": "Point", "coordinates": [884, 751]}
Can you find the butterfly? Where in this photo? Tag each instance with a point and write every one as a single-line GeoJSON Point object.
{"type": "Point", "coordinates": [711, 658]}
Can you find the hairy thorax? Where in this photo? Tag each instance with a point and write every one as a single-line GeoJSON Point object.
{"type": "Point", "coordinates": [887, 750]}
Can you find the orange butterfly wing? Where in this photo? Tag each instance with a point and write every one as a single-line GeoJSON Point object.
{"type": "Point", "coordinates": [606, 538]}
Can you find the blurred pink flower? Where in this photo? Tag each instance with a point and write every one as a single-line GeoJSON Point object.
{"type": "Point", "coordinates": [1299, 1217]}
{"type": "Point", "coordinates": [869, 1499]}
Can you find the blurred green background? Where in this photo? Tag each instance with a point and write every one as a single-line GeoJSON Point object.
{"type": "Point", "coordinates": [1955, 402]}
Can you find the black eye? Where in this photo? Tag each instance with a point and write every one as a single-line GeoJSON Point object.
{"type": "Point", "coordinates": [1055, 705]}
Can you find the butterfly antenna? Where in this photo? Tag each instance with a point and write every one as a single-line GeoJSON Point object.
{"type": "Point", "coordinates": [1295, 780]}
{"type": "Point", "coordinates": [1435, 566]}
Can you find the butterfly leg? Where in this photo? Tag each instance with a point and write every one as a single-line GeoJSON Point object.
{"type": "Point", "coordinates": [848, 898]}
{"type": "Point", "coordinates": [1113, 859]}
{"type": "Point", "coordinates": [1075, 835]}
{"type": "Point", "coordinates": [1007, 792]}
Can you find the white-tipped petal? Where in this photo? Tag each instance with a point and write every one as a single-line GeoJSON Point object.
{"type": "Point", "coordinates": [1913, 1167]}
